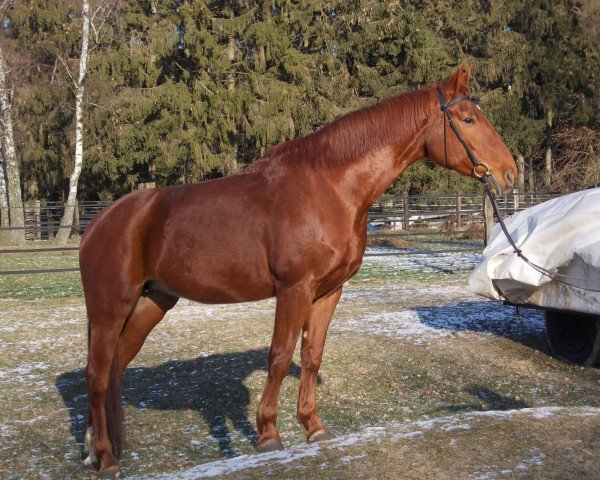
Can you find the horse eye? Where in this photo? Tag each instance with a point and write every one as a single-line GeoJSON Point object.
{"type": "Point", "coordinates": [469, 121]}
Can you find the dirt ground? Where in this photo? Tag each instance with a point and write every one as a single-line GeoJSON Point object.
{"type": "Point", "coordinates": [421, 379]}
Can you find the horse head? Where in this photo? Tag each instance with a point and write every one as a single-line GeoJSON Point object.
{"type": "Point", "coordinates": [462, 139]}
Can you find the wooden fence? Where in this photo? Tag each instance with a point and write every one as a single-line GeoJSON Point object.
{"type": "Point", "coordinates": [42, 219]}
{"type": "Point", "coordinates": [397, 216]}
{"type": "Point", "coordinates": [392, 212]}
{"type": "Point", "coordinates": [404, 212]}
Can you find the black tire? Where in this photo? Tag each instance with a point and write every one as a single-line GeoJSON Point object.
{"type": "Point", "coordinates": [574, 337]}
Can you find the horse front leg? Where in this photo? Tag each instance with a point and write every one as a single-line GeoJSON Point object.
{"type": "Point", "coordinates": [293, 308]}
{"type": "Point", "coordinates": [313, 342]}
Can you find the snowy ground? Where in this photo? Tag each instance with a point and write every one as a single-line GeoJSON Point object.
{"type": "Point", "coordinates": [413, 360]}
{"type": "Point", "coordinates": [393, 433]}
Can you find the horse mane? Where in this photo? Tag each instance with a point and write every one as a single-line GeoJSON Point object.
{"type": "Point", "coordinates": [353, 135]}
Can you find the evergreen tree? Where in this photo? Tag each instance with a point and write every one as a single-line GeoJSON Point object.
{"type": "Point", "coordinates": [185, 90]}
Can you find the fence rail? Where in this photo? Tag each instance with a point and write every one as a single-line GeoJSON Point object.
{"type": "Point", "coordinates": [392, 216]}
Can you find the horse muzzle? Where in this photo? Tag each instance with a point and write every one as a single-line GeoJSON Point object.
{"type": "Point", "coordinates": [482, 172]}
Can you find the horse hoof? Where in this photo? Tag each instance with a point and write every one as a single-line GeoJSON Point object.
{"type": "Point", "coordinates": [270, 446]}
{"type": "Point", "coordinates": [321, 435]}
{"type": "Point", "coordinates": [90, 464]}
{"type": "Point", "coordinates": [110, 472]}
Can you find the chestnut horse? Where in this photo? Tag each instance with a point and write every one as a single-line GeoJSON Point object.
{"type": "Point", "coordinates": [292, 225]}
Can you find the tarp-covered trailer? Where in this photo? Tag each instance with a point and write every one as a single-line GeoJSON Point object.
{"type": "Point", "coordinates": [562, 237]}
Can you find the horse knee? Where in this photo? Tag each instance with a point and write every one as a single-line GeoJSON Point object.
{"type": "Point", "coordinates": [311, 359]}
{"type": "Point", "coordinates": [279, 363]}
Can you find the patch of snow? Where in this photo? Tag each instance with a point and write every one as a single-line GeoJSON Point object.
{"type": "Point", "coordinates": [349, 458]}
{"type": "Point", "coordinates": [243, 462]}
{"type": "Point", "coordinates": [449, 428]}
{"type": "Point", "coordinates": [406, 436]}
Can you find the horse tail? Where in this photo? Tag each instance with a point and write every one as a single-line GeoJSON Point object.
{"type": "Point", "coordinates": [114, 408]}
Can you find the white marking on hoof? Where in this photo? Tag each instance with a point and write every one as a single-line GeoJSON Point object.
{"type": "Point", "coordinates": [90, 462]}
{"type": "Point", "coordinates": [88, 440]}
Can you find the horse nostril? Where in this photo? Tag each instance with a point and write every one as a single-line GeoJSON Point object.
{"type": "Point", "coordinates": [510, 178]}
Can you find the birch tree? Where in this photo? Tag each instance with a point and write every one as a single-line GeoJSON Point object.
{"type": "Point", "coordinates": [11, 167]}
{"type": "Point", "coordinates": [92, 23]}
{"type": "Point", "coordinates": [4, 224]}
{"type": "Point", "coordinates": [79, 84]}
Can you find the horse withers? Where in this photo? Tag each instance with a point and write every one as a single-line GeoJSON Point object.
{"type": "Point", "coordinates": [292, 225]}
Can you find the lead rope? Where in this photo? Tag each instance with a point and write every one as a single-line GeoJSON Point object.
{"type": "Point", "coordinates": [544, 271]}
{"type": "Point", "coordinates": [484, 178]}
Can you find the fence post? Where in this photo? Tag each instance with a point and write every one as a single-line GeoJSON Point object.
{"type": "Point", "coordinates": [405, 217]}
{"type": "Point", "coordinates": [488, 218]}
{"type": "Point", "coordinates": [516, 200]}
{"type": "Point", "coordinates": [458, 209]}
{"type": "Point", "coordinates": [75, 226]}
{"type": "Point", "coordinates": [37, 213]}
{"type": "Point", "coordinates": [50, 222]}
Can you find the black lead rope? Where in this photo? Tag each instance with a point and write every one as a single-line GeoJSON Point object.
{"type": "Point", "coordinates": [485, 177]}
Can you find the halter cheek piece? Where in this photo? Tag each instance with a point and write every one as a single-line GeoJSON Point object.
{"type": "Point", "coordinates": [480, 170]}
{"type": "Point", "coordinates": [483, 168]}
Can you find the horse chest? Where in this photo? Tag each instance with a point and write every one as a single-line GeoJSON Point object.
{"type": "Point", "coordinates": [347, 266]}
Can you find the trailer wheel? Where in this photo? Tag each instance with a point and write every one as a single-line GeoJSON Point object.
{"type": "Point", "coordinates": [574, 337]}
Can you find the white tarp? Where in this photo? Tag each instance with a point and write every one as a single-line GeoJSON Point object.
{"type": "Point", "coordinates": [561, 235]}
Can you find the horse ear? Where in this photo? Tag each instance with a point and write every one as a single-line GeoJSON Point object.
{"type": "Point", "coordinates": [459, 79]}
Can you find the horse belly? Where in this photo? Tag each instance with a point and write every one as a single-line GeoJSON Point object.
{"type": "Point", "coordinates": [218, 272]}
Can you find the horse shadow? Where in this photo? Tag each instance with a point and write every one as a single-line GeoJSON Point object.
{"type": "Point", "coordinates": [211, 385]}
{"type": "Point", "coordinates": [525, 326]}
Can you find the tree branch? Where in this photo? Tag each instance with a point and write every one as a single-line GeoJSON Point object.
{"type": "Point", "coordinates": [75, 84]}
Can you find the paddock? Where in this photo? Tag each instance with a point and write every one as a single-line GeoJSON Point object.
{"type": "Point", "coordinates": [450, 386]}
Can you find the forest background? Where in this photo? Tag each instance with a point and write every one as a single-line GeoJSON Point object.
{"type": "Point", "coordinates": [179, 91]}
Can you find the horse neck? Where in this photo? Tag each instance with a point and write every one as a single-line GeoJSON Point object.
{"type": "Point", "coordinates": [367, 177]}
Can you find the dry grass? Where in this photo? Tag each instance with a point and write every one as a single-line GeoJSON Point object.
{"type": "Point", "coordinates": [405, 348]}
{"type": "Point", "coordinates": [389, 242]}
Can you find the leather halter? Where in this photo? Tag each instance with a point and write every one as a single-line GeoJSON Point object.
{"type": "Point", "coordinates": [485, 175]}
{"type": "Point", "coordinates": [444, 106]}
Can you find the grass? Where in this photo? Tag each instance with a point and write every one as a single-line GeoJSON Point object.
{"type": "Point", "coordinates": [191, 394]}
{"type": "Point", "coordinates": [40, 286]}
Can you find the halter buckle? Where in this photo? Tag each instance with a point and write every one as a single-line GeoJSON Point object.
{"type": "Point", "coordinates": [486, 171]}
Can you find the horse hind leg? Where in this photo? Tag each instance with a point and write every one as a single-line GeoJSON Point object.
{"type": "Point", "coordinates": [103, 437]}
{"type": "Point", "coordinates": [108, 306]}
{"type": "Point", "coordinates": [149, 310]}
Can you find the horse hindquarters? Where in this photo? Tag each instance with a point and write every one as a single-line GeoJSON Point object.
{"type": "Point", "coordinates": [112, 273]}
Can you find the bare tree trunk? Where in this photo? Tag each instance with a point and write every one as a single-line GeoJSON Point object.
{"type": "Point", "coordinates": [548, 159]}
{"type": "Point", "coordinates": [232, 167]}
{"type": "Point", "coordinates": [4, 224]}
{"type": "Point", "coordinates": [11, 167]}
{"type": "Point", "coordinates": [530, 178]}
{"type": "Point", "coordinates": [231, 58]}
{"type": "Point", "coordinates": [521, 174]}
{"type": "Point", "coordinates": [67, 220]}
